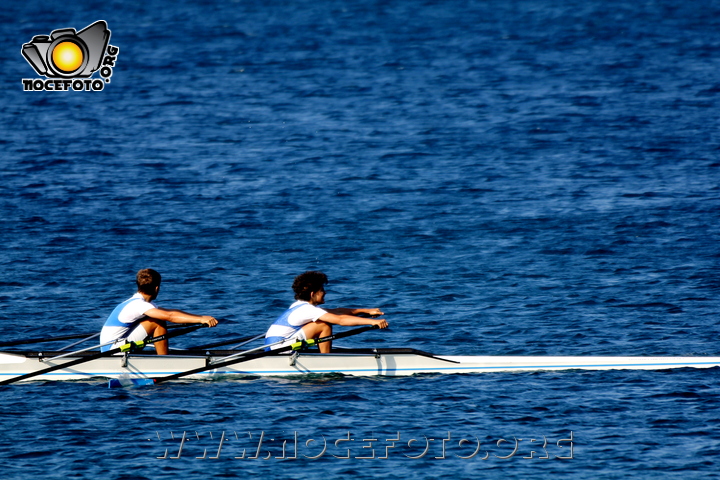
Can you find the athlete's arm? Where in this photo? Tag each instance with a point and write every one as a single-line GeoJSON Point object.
{"type": "Point", "coordinates": [352, 321]}
{"type": "Point", "coordinates": [178, 316]}
{"type": "Point", "coordinates": [374, 312]}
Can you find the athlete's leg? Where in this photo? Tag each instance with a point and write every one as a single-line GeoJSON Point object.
{"type": "Point", "coordinates": [319, 329]}
{"type": "Point", "coordinates": [155, 328]}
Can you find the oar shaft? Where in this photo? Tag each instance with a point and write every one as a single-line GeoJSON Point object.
{"type": "Point", "coordinates": [58, 367]}
{"type": "Point", "coordinates": [98, 355]}
{"type": "Point", "coordinates": [79, 342]}
{"type": "Point", "coordinates": [258, 337]}
{"type": "Point", "coordinates": [253, 356]}
{"type": "Point", "coordinates": [43, 340]}
{"type": "Point", "coordinates": [252, 350]}
{"type": "Point", "coordinates": [244, 340]}
{"type": "Point", "coordinates": [69, 354]}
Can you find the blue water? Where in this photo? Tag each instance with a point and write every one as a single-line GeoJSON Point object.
{"type": "Point", "coordinates": [511, 178]}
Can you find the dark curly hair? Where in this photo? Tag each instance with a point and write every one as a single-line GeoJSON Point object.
{"type": "Point", "coordinates": [307, 283]}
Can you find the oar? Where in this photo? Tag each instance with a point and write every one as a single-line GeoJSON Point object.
{"type": "Point", "coordinates": [128, 347]}
{"type": "Point", "coordinates": [43, 340]}
{"type": "Point", "coordinates": [51, 339]}
{"type": "Point", "coordinates": [243, 357]}
{"type": "Point", "coordinates": [80, 341]}
{"type": "Point", "coordinates": [227, 342]}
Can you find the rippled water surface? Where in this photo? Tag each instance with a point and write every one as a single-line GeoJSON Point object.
{"type": "Point", "coordinates": [509, 178]}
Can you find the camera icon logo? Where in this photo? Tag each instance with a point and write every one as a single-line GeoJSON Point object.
{"type": "Point", "coordinates": [66, 53]}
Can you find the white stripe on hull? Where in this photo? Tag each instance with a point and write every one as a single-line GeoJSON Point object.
{"type": "Point", "coordinates": [393, 364]}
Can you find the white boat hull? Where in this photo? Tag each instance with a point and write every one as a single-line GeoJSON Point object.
{"type": "Point", "coordinates": [360, 364]}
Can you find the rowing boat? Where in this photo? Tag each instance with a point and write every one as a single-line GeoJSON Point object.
{"type": "Point", "coordinates": [358, 362]}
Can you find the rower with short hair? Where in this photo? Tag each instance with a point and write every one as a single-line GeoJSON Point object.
{"type": "Point", "coordinates": [305, 320]}
{"type": "Point", "coordinates": [137, 318]}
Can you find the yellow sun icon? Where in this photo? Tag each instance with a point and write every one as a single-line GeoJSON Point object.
{"type": "Point", "coordinates": [67, 56]}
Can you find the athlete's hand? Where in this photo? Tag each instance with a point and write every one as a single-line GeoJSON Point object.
{"type": "Point", "coordinates": [374, 312]}
{"type": "Point", "coordinates": [209, 321]}
{"type": "Point", "coordinates": [381, 323]}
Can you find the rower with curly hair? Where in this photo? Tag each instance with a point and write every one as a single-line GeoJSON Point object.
{"type": "Point", "coordinates": [305, 320]}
